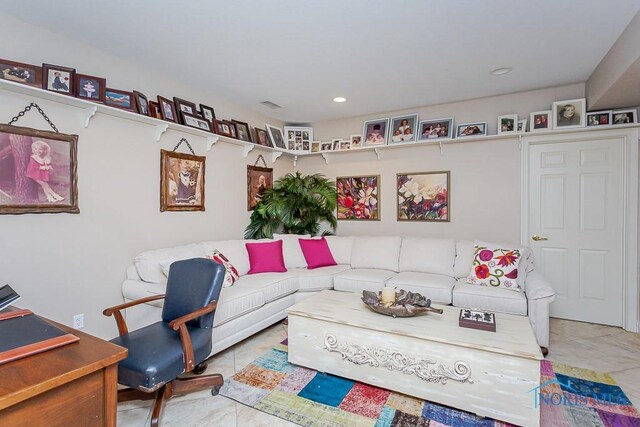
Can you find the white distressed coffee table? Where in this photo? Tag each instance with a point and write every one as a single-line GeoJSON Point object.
{"type": "Point", "coordinates": [490, 374]}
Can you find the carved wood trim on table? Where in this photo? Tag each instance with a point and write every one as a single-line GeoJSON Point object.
{"type": "Point", "coordinates": [398, 361]}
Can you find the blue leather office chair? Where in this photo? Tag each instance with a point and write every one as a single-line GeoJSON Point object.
{"type": "Point", "coordinates": [177, 344]}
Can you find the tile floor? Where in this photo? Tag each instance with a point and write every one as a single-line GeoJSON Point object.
{"type": "Point", "coordinates": [597, 347]}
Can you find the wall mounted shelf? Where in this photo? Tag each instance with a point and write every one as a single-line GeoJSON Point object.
{"type": "Point", "coordinates": [90, 109]}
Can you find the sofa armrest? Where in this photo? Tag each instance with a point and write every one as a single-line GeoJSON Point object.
{"type": "Point", "coordinates": [537, 287]}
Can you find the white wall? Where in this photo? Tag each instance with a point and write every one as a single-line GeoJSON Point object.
{"type": "Point", "coordinates": [485, 176]}
{"type": "Point", "coordinates": [66, 264]}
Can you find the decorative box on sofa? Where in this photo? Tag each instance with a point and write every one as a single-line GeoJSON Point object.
{"type": "Point", "coordinates": [436, 268]}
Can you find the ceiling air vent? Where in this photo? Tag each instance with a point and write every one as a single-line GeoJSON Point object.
{"type": "Point", "coordinates": [271, 105]}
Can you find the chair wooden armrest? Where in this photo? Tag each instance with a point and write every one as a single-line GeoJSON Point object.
{"type": "Point", "coordinates": [116, 311]}
{"type": "Point", "coordinates": [179, 324]}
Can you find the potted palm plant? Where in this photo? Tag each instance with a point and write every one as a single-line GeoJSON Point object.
{"type": "Point", "coordinates": [295, 205]}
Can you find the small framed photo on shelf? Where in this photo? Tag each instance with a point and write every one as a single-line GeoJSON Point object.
{"type": "Point", "coordinates": [522, 126]}
{"type": "Point", "coordinates": [315, 146]}
{"type": "Point", "coordinates": [222, 128]}
{"type": "Point", "coordinates": [183, 106]}
{"type": "Point", "coordinates": [423, 196]}
{"type": "Point", "coordinates": [540, 120]}
{"type": "Point", "coordinates": [335, 144]}
{"type": "Point", "coordinates": [599, 118]}
{"type": "Point", "coordinates": [91, 88]}
{"type": "Point", "coordinates": [181, 181]}
{"type": "Point", "coordinates": [262, 138]}
{"type": "Point", "coordinates": [345, 144]}
{"type": "Point", "coordinates": [18, 72]}
{"type": "Point", "coordinates": [464, 130]}
{"type": "Point", "coordinates": [436, 129]}
{"type": "Point", "coordinates": [367, 208]}
{"type": "Point", "coordinates": [207, 112]}
{"type": "Point", "coordinates": [119, 99]}
{"type": "Point", "coordinates": [326, 146]}
{"type": "Point", "coordinates": [569, 114]}
{"type": "Point", "coordinates": [167, 109]}
{"type": "Point", "coordinates": [403, 128]}
{"type": "Point", "coordinates": [58, 79]}
{"type": "Point", "coordinates": [623, 117]}
{"type": "Point", "coordinates": [244, 132]}
{"type": "Point", "coordinates": [507, 124]}
{"type": "Point", "coordinates": [374, 132]}
{"type": "Point", "coordinates": [154, 110]}
{"type": "Point", "coordinates": [232, 127]}
{"type": "Point", "coordinates": [356, 141]}
{"type": "Point", "coordinates": [298, 138]}
{"type": "Point", "coordinates": [142, 103]}
{"type": "Point", "coordinates": [476, 319]}
{"type": "Point", "coordinates": [195, 121]}
{"type": "Point", "coordinates": [277, 139]}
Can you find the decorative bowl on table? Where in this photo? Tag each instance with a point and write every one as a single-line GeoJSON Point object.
{"type": "Point", "coordinates": [407, 304]}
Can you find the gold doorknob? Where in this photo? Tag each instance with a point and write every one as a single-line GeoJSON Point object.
{"type": "Point", "coordinates": [538, 238]}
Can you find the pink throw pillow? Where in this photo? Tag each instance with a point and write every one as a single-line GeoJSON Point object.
{"type": "Point", "coordinates": [317, 253]}
{"type": "Point", "coordinates": [266, 257]}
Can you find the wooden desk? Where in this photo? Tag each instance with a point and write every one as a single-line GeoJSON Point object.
{"type": "Point", "coordinates": [74, 385]}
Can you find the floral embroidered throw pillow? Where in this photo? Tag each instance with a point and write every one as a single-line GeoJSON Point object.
{"type": "Point", "coordinates": [496, 267]}
{"type": "Point", "coordinates": [231, 274]}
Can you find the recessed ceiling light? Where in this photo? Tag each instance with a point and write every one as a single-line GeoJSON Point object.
{"type": "Point", "coordinates": [339, 99]}
{"type": "Point", "coordinates": [501, 71]}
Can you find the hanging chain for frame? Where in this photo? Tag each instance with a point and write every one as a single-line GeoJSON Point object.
{"type": "Point", "coordinates": [42, 113]}
{"type": "Point", "coordinates": [260, 158]}
{"type": "Point", "coordinates": [186, 142]}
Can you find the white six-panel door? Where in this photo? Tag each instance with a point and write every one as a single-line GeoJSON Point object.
{"type": "Point", "coordinates": [576, 226]}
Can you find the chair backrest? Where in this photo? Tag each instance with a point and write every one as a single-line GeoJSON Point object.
{"type": "Point", "coordinates": [192, 284]}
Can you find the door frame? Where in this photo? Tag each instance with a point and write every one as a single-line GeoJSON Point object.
{"type": "Point", "coordinates": [629, 136]}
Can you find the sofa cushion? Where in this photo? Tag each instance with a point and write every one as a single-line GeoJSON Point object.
{"type": "Point", "coordinates": [436, 287]}
{"type": "Point", "coordinates": [293, 257]}
{"type": "Point", "coordinates": [148, 264]}
{"type": "Point", "coordinates": [489, 298]}
{"type": "Point", "coordinates": [316, 253]}
{"type": "Point", "coordinates": [318, 278]}
{"type": "Point", "coordinates": [265, 257]}
{"type": "Point", "coordinates": [341, 247]}
{"type": "Point", "coordinates": [376, 252]}
{"type": "Point", "coordinates": [427, 255]}
{"type": "Point", "coordinates": [496, 266]}
{"type": "Point", "coordinates": [237, 301]}
{"type": "Point", "coordinates": [231, 273]}
{"type": "Point", "coordinates": [234, 250]}
{"type": "Point", "coordinates": [357, 280]}
{"type": "Point", "coordinates": [137, 289]}
{"type": "Point", "coordinates": [272, 285]}
{"type": "Point", "coordinates": [465, 253]}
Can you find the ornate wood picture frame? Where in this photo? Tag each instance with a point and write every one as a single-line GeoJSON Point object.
{"type": "Point", "coordinates": [38, 171]}
{"type": "Point", "coordinates": [259, 179]}
{"type": "Point", "coordinates": [181, 181]}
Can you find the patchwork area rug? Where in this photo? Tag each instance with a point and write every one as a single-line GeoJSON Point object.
{"type": "Point", "coordinates": [568, 397]}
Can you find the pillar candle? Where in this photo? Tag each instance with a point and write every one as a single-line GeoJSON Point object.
{"type": "Point", "coordinates": [388, 295]}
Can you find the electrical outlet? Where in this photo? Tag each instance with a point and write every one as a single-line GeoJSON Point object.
{"type": "Point", "coordinates": [78, 321]}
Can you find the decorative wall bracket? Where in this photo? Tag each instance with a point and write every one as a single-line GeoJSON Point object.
{"type": "Point", "coordinates": [275, 155]}
{"type": "Point", "coordinates": [87, 113]}
{"type": "Point", "coordinates": [425, 369]}
{"type": "Point", "coordinates": [160, 129]}
{"type": "Point", "coordinates": [211, 141]}
{"type": "Point", "coordinates": [247, 149]}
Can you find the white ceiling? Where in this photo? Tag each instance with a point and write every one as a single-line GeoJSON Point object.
{"type": "Point", "coordinates": [381, 55]}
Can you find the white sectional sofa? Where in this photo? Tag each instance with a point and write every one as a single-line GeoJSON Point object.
{"type": "Point", "coordinates": [436, 268]}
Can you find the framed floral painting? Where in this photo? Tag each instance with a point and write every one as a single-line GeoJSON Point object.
{"type": "Point", "coordinates": [424, 196]}
{"type": "Point", "coordinates": [358, 198]}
